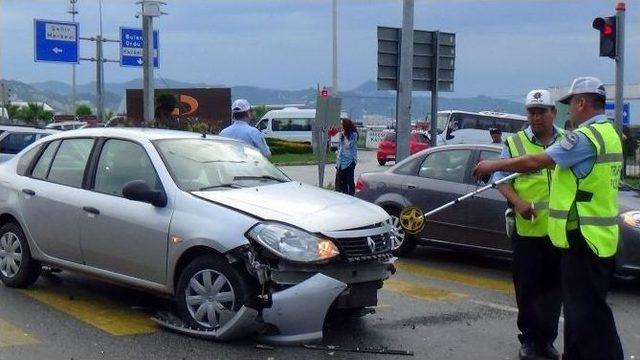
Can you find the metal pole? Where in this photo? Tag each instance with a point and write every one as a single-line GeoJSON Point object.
{"type": "Point", "coordinates": [620, 10]}
{"type": "Point", "coordinates": [335, 49]}
{"type": "Point", "coordinates": [405, 82]}
{"type": "Point", "coordinates": [99, 79]}
{"type": "Point", "coordinates": [434, 88]}
{"type": "Point", "coordinates": [73, 13]}
{"type": "Point", "coordinates": [147, 56]}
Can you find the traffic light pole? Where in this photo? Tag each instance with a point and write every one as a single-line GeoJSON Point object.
{"type": "Point", "coordinates": [620, 11]}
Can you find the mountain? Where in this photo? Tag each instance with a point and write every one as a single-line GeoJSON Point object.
{"type": "Point", "coordinates": [365, 99]}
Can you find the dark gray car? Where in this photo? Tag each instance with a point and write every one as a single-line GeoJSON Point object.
{"type": "Point", "coordinates": [438, 175]}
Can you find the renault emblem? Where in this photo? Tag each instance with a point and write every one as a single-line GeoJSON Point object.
{"type": "Point", "coordinates": [372, 244]}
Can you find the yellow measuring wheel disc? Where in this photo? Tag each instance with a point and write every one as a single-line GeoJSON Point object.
{"type": "Point", "coordinates": [411, 220]}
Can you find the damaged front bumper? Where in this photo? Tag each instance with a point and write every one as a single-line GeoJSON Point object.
{"type": "Point", "coordinates": [289, 314]}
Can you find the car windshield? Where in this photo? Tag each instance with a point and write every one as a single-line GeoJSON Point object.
{"type": "Point", "coordinates": [206, 164]}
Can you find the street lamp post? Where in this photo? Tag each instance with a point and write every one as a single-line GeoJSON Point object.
{"type": "Point", "coordinates": [73, 12]}
{"type": "Point", "coordinates": [150, 9]}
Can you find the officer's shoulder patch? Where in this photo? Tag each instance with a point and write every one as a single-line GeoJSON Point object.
{"type": "Point", "coordinates": [569, 140]}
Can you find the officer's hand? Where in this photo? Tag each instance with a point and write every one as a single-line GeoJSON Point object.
{"type": "Point", "coordinates": [525, 209]}
{"type": "Point", "coordinates": [483, 169]}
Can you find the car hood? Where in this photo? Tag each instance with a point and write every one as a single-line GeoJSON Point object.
{"type": "Point", "coordinates": [308, 207]}
{"type": "Point", "coordinates": [628, 200]}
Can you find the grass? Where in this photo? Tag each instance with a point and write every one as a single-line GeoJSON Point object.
{"type": "Point", "coordinates": [300, 158]}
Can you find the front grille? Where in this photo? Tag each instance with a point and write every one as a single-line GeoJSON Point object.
{"type": "Point", "coordinates": [365, 246]}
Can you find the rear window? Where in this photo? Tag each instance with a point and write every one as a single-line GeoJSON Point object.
{"type": "Point", "coordinates": [390, 137]}
{"type": "Point", "coordinates": [14, 143]}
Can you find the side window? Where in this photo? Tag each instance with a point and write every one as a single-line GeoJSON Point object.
{"type": "Point", "coordinates": [464, 121]}
{"type": "Point", "coordinates": [489, 155]}
{"type": "Point", "coordinates": [485, 123]}
{"type": "Point", "coordinates": [291, 124]}
{"type": "Point", "coordinates": [263, 124]}
{"type": "Point", "coordinates": [121, 162]}
{"type": "Point", "coordinates": [278, 124]}
{"type": "Point", "coordinates": [70, 161]}
{"type": "Point", "coordinates": [449, 165]}
{"type": "Point", "coordinates": [42, 166]}
{"type": "Point", "coordinates": [14, 143]}
{"type": "Point", "coordinates": [26, 159]}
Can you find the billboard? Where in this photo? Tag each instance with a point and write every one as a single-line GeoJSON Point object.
{"type": "Point", "coordinates": [193, 105]}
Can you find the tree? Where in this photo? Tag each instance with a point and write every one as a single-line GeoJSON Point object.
{"type": "Point", "coordinates": [83, 110]}
{"type": "Point", "coordinates": [12, 111]}
{"type": "Point", "coordinates": [165, 103]}
{"type": "Point", "coordinates": [258, 112]}
{"type": "Point", "coordinates": [33, 113]}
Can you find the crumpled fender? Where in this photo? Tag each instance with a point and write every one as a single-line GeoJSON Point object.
{"type": "Point", "coordinates": [299, 311]}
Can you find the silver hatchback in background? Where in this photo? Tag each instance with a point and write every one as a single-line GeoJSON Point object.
{"type": "Point", "coordinates": [204, 219]}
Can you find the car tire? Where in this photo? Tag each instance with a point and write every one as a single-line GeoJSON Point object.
{"type": "Point", "coordinates": [382, 162]}
{"type": "Point", "coordinates": [405, 243]}
{"type": "Point", "coordinates": [206, 305]}
{"type": "Point", "coordinates": [17, 268]}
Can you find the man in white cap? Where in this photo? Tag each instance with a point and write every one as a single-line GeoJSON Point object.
{"type": "Point", "coordinates": [241, 130]}
{"type": "Point", "coordinates": [536, 262]}
{"type": "Point", "coordinates": [583, 211]}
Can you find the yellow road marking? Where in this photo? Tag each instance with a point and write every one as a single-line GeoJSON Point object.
{"type": "Point", "coordinates": [462, 278]}
{"type": "Point", "coordinates": [13, 336]}
{"type": "Point", "coordinates": [111, 317]}
{"type": "Point", "coordinates": [420, 292]}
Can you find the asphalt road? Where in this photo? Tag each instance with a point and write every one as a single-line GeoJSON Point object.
{"type": "Point", "coordinates": [440, 305]}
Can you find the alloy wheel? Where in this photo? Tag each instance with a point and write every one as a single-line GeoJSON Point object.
{"type": "Point", "coordinates": [398, 233]}
{"type": "Point", "coordinates": [10, 254]}
{"type": "Point", "coordinates": [210, 299]}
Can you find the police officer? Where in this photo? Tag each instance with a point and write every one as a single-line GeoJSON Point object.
{"type": "Point", "coordinates": [583, 212]}
{"type": "Point", "coordinates": [536, 262]}
{"type": "Point", "coordinates": [241, 130]}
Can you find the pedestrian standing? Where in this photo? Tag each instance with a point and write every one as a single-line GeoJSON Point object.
{"type": "Point", "coordinates": [536, 262]}
{"type": "Point", "coordinates": [347, 156]}
{"type": "Point", "coordinates": [241, 130]}
{"type": "Point", "coordinates": [583, 212]}
{"type": "Point", "coordinates": [496, 135]}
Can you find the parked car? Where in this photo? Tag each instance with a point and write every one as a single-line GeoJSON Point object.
{"type": "Point", "coordinates": [438, 175]}
{"type": "Point", "coordinates": [205, 219]}
{"type": "Point", "coordinates": [14, 138]}
{"type": "Point", "coordinates": [387, 147]}
{"type": "Point", "coordinates": [67, 125]}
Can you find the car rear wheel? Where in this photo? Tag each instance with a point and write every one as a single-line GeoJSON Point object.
{"type": "Point", "coordinates": [403, 243]}
{"type": "Point", "coordinates": [211, 291]}
{"type": "Point", "coordinates": [382, 162]}
{"type": "Point", "coordinates": [17, 267]}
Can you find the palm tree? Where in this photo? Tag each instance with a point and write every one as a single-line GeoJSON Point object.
{"type": "Point", "coordinates": [33, 113]}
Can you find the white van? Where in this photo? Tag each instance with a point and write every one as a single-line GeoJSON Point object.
{"type": "Point", "coordinates": [290, 123]}
{"type": "Point", "coordinates": [465, 127]}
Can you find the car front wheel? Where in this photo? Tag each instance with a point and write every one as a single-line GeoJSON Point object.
{"type": "Point", "coordinates": [17, 267]}
{"type": "Point", "coordinates": [211, 291]}
{"type": "Point", "coordinates": [381, 162]}
{"type": "Point", "coordinates": [403, 243]}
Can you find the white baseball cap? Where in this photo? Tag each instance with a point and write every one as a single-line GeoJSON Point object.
{"type": "Point", "coordinates": [240, 105]}
{"type": "Point", "coordinates": [539, 98]}
{"type": "Point", "coordinates": [584, 85]}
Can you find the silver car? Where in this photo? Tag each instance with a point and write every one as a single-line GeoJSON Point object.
{"type": "Point", "coordinates": [205, 219]}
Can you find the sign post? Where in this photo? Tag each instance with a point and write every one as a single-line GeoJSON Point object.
{"type": "Point", "coordinates": [327, 115]}
{"type": "Point", "coordinates": [132, 45]}
{"type": "Point", "coordinates": [56, 41]}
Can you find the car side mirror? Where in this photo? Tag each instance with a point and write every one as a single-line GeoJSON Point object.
{"type": "Point", "coordinates": [450, 136]}
{"type": "Point", "coordinates": [138, 190]}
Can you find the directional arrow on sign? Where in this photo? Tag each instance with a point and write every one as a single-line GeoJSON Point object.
{"type": "Point", "coordinates": [140, 61]}
{"type": "Point", "coordinates": [57, 50]}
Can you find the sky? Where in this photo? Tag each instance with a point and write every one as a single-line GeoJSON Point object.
{"type": "Point", "coordinates": [504, 48]}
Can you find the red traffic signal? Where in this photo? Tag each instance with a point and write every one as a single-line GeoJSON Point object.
{"type": "Point", "coordinates": [608, 35]}
{"type": "Point", "coordinates": [324, 93]}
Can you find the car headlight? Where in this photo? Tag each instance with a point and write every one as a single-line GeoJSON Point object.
{"type": "Point", "coordinates": [293, 244]}
{"type": "Point", "coordinates": [632, 219]}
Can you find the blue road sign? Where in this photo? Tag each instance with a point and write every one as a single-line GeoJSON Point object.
{"type": "Point", "coordinates": [55, 41]}
{"type": "Point", "coordinates": [131, 45]}
{"type": "Point", "coordinates": [609, 109]}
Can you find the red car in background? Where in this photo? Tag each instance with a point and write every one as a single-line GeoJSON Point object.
{"type": "Point", "coordinates": [387, 147]}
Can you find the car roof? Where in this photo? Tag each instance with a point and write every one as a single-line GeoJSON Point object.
{"type": "Point", "coordinates": [133, 133]}
{"type": "Point", "coordinates": [26, 128]}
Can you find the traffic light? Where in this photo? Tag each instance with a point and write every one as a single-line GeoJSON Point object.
{"type": "Point", "coordinates": [608, 35]}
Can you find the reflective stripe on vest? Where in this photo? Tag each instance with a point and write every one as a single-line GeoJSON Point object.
{"type": "Point", "coordinates": [532, 187]}
{"type": "Point", "coordinates": [595, 196]}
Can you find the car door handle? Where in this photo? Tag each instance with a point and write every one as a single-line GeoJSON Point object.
{"type": "Point", "coordinates": [410, 186]}
{"type": "Point", "coordinates": [91, 210]}
{"type": "Point", "coordinates": [28, 192]}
